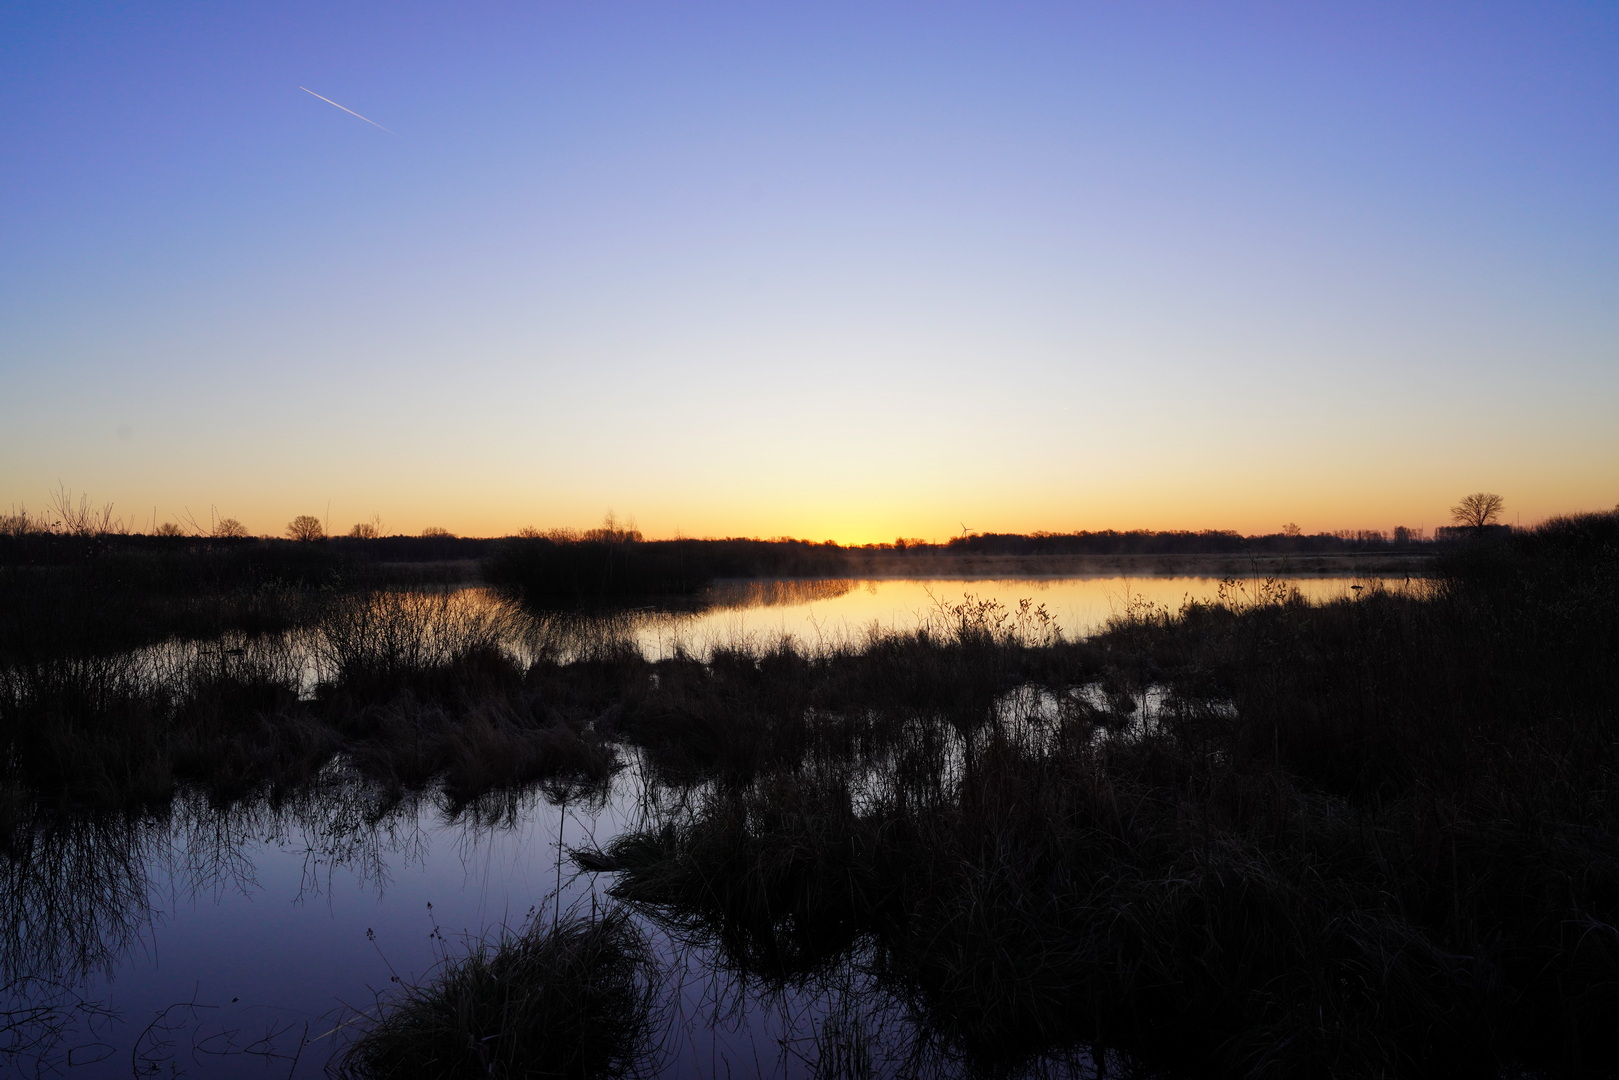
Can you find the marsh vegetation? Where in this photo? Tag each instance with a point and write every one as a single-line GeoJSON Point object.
{"type": "Point", "coordinates": [1252, 836]}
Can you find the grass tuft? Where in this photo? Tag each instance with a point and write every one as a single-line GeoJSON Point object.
{"type": "Point", "coordinates": [574, 999]}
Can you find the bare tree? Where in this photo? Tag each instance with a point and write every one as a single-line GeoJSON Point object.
{"type": "Point", "coordinates": [363, 530]}
{"type": "Point", "coordinates": [306, 527]}
{"type": "Point", "coordinates": [1291, 529]}
{"type": "Point", "coordinates": [229, 529]}
{"type": "Point", "coordinates": [613, 531]}
{"type": "Point", "coordinates": [1477, 510]}
{"type": "Point", "coordinates": [81, 519]}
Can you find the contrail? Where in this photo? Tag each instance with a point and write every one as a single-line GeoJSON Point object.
{"type": "Point", "coordinates": [350, 111]}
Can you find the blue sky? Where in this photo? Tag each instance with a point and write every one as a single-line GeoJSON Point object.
{"type": "Point", "coordinates": [844, 271]}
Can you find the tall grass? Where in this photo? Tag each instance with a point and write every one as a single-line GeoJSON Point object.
{"type": "Point", "coordinates": [575, 998]}
{"type": "Point", "coordinates": [1375, 836]}
{"type": "Point", "coordinates": [413, 690]}
{"type": "Point", "coordinates": [1371, 837]}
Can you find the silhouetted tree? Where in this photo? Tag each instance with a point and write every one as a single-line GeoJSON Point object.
{"type": "Point", "coordinates": [306, 527]}
{"type": "Point", "coordinates": [229, 529]}
{"type": "Point", "coordinates": [613, 531]}
{"type": "Point", "coordinates": [1477, 510]}
{"type": "Point", "coordinates": [363, 530]}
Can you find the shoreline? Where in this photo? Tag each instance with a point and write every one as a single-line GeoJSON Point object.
{"type": "Point", "coordinates": [896, 567]}
{"type": "Point", "coordinates": [999, 567]}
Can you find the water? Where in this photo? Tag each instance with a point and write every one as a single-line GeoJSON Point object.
{"type": "Point", "coordinates": [242, 942]}
{"type": "Point", "coordinates": [844, 611]}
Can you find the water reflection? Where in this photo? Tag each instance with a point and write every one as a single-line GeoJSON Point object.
{"type": "Point", "coordinates": [83, 898]}
{"type": "Point", "coordinates": [252, 923]}
{"type": "Point", "coordinates": [220, 940]}
{"type": "Point", "coordinates": [73, 896]}
{"type": "Point", "coordinates": [730, 595]}
{"type": "Point", "coordinates": [395, 629]}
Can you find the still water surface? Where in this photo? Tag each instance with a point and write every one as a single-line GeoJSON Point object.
{"type": "Point", "coordinates": [838, 611]}
{"type": "Point", "coordinates": [238, 943]}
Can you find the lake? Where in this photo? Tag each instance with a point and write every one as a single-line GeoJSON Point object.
{"type": "Point", "coordinates": [244, 940]}
{"type": "Point", "coordinates": [843, 610]}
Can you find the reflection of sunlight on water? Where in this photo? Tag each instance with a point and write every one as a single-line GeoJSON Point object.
{"type": "Point", "coordinates": [755, 614]}
{"type": "Point", "coordinates": [279, 916]}
{"type": "Point", "coordinates": [777, 592]}
{"type": "Point", "coordinates": [814, 614]}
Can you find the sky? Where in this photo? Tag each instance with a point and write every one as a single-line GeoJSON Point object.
{"type": "Point", "coordinates": [839, 271]}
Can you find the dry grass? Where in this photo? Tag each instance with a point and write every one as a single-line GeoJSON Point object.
{"type": "Point", "coordinates": [573, 999]}
{"type": "Point", "coordinates": [1369, 838]}
{"type": "Point", "coordinates": [1255, 837]}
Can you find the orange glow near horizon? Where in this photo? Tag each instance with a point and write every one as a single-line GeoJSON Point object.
{"type": "Point", "coordinates": [786, 270]}
{"type": "Point", "coordinates": [822, 466]}
{"type": "Point", "coordinates": [861, 521]}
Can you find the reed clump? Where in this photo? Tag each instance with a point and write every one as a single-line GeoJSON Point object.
{"type": "Point", "coordinates": [756, 708]}
{"type": "Point", "coordinates": [417, 690]}
{"type": "Point", "coordinates": [102, 733]}
{"type": "Point", "coordinates": [784, 878]}
{"type": "Point", "coordinates": [576, 999]}
{"type": "Point", "coordinates": [423, 688]}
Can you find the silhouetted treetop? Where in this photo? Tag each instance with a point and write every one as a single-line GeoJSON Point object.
{"type": "Point", "coordinates": [306, 527]}
{"type": "Point", "coordinates": [1478, 509]}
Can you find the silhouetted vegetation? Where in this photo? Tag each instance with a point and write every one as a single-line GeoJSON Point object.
{"type": "Point", "coordinates": [1374, 837]}
{"type": "Point", "coordinates": [1255, 836]}
{"type": "Point", "coordinates": [604, 564]}
{"type": "Point", "coordinates": [571, 999]}
{"type": "Point", "coordinates": [306, 527]}
{"type": "Point", "coordinates": [413, 689]}
{"type": "Point", "coordinates": [563, 568]}
{"type": "Point", "coordinates": [1173, 542]}
{"type": "Point", "coordinates": [84, 589]}
{"type": "Point", "coordinates": [66, 596]}
{"type": "Point", "coordinates": [78, 594]}
{"type": "Point", "coordinates": [1477, 510]}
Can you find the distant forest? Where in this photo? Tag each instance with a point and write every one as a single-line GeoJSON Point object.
{"type": "Point", "coordinates": [116, 588]}
{"type": "Point", "coordinates": [1149, 542]}
{"type": "Point", "coordinates": [775, 555]}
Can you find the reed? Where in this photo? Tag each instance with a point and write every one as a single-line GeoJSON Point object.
{"type": "Point", "coordinates": [1371, 837]}
{"type": "Point", "coordinates": [575, 998]}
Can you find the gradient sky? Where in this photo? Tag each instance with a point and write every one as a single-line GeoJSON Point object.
{"type": "Point", "coordinates": [828, 270]}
